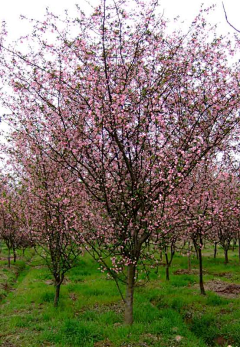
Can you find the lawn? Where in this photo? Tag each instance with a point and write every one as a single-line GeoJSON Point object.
{"type": "Point", "coordinates": [90, 312]}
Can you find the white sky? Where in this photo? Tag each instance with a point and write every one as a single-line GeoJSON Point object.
{"type": "Point", "coordinates": [10, 10]}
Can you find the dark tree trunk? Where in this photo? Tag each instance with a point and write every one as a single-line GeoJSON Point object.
{"type": "Point", "coordinates": [196, 248]}
{"type": "Point", "coordinates": [57, 294]}
{"type": "Point", "coordinates": [215, 250]}
{"type": "Point", "coordinates": [202, 290]}
{"type": "Point", "coordinates": [160, 253]}
{"type": "Point", "coordinates": [234, 244]}
{"type": "Point", "coordinates": [189, 257]}
{"type": "Point", "coordinates": [58, 282]}
{"type": "Point", "coordinates": [167, 266]}
{"type": "Point", "coordinates": [239, 245]}
{"type": "Point", "coordinates": [129, 294]}
{"type": "Point", "coordinates": [226, 256]}
{"type": "Point", "coordinates": [9, 257]}
{"type": "Point", "coordinates": [14, 255]}
{"type": "Point", "coordinates": [167, 273]}
{"type": "Point", "coordinates": [169, 262]}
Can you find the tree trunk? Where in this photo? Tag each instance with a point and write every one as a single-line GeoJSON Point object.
{"type": "Point", "coordinates": [58, 281]}
{"type": "Point", "coordinates": [57, 293]}
{"type": "Point", "coordinates": [167, 266]}
{"type": "Point", "coordinates": [167, 272]}
{"type": "Point", "coordinates": [239, 245]}
{"type": "Point", "coordinates": [14, 255]}
{"type": "Point", "coordinates": [9, 257]}
{"type": "Point", "coordinates": [160, 253]}
{"type": "Point", "coordinates": [201, 271]}
{"type": "Point", "coordinates": [226, 256]}
{"type": "Point", "coordinates": [189, 257]}
{"type": "Point", "coordinates": [234, 244]}
{"type": "Point", "coordinates": [196, 248]}
{"type": "Point", "coordinates": [129, 294]}
{"type": "Point", "coordinates": [215, 250]}
{"type": "Point", "coordinates": [239, 249]}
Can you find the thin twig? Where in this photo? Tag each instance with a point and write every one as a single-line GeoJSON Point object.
{"type": "Point", "coordinates": [228, 20]}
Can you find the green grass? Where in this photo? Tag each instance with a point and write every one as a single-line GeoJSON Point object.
{"type": "Point", "coordinates": [9, 276]}
{"type": "Point", "coordinates": [90, 312]}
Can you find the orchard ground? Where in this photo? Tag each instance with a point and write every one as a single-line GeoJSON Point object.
{"type": "Point", "coordinates": [90, 312]}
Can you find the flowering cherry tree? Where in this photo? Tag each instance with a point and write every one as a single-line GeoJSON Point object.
{"type": "Point", "coordinates": [50, 207]}
{"type": "Point", "coordinates": [209, 208]}
{"type": "Point", "coordinates": [226, 210]}
{"type": "Point", "coordinates": [10, 223]}
{"type": "Point", "coordinates": [128, 109]}
{"type": "Point", "coordinates": [195, 198]}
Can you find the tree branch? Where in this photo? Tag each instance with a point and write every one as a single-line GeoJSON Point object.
{"type": "Point", "coordinates": [228, 20]}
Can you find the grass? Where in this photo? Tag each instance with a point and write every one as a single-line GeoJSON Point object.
{"type": "Point", "coordinates": [8, 276]}
{"type": "Point", "coordinates": [90, 313]}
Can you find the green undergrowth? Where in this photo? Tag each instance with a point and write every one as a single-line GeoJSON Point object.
{"type": "Point", "coordinates": [90, 312]}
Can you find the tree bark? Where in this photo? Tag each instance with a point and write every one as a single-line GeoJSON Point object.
{"type": "Point", "coordinates": [167, 273]}
{"type": "Point", "coordinates": [167, 266]}
{"type": "Point", "coordinates": [57, 294]}
{"type": "Point", "coordinates": [9, 257]}
{"type": "Point", "coordinates": [189, 257]}
{"type": "Point", "coordinates": [215, 250]}
{"type": "Point", "coordinates": [58, 281]}
{"type": "Point", "coordinates": [239, 245]}
{"type": "Point", "coordinates": [129, 294]}
{"type": "Point", "coordinates": [201, 271]}
{"type": "Point", "coordinates": [196, 248]}
{"type": "Point", "coordinates": [160, 253]}
{"type": "Point", "coordinates": [226, 256]}
{"type": "Point", "coordinates": [14, 255]}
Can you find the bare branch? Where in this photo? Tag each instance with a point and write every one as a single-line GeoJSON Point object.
{"type": "Point", "coordinates": [228, 20]}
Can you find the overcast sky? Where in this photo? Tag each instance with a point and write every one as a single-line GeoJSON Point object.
{"type": "Point", "coordinates": [10, 11]}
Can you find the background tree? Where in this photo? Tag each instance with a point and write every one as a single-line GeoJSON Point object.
{"type": "Point", "coordinates": [50, 208]}
{"type": "Point", "coordinates": [196, 199]}
{"type": "Point", "coordinates": [10, 223]}
{"type": "Point", "coordinates": [226, 210]}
